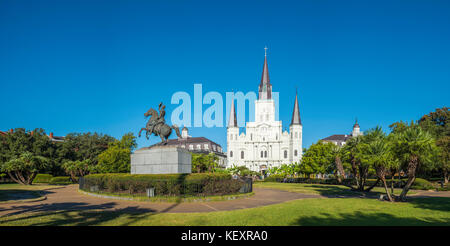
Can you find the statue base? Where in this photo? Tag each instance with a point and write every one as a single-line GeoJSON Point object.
{"type": "Point", "coordinates": [161, 160]}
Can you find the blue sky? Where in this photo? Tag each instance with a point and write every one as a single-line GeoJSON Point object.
{"type": "Point", "coordinates": [85, 66]}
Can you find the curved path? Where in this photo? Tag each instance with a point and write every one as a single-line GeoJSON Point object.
{"type": "Point", "coordinates": [68, 198]}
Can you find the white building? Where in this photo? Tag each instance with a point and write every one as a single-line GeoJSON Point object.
{"type": "Point", "coordinates": [264, 144]}
{"type": "Point", "coordinates": [341, 139]}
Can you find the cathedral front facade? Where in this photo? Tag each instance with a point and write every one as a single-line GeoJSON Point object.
{"type": "Point", "coordinates": [264, 144]}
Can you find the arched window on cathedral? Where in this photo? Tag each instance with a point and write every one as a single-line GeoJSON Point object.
{"type": "Point", "coordinates": [295, 152]}
{"type": "Point", "coordinates": [265, 154]}
{"type": "Point", "coordinates": [242, 154]}
{"type": "Point", "coordinates": [285, 154]}
{"type": "Point", "coordinates": [262, 154]}
{"type": "Point", "coordinates": [231, 153]}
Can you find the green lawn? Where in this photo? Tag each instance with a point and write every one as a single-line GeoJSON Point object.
{"type": "Point", "coordinates": [16, 192]}
{"type": "Point", "coordinates": [326, 190]}
{"type": "Point", "coordinates": [316, 212]}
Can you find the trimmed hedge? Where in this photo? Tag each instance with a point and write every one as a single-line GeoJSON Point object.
{"type": "Point", "coordinates": [62, 180]}
{"type": "Point", "coordinates": [419, 184]}
{"type": "Point", "coordinates": [422, 184]}
{"type": "Point", "coordinates": [196, 184]}
{"type": "Point", "coordinates": [42, 178]}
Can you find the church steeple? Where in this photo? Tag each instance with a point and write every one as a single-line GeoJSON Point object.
{"type": "Point", "coordinates": [296, 113]}
{"type": "Point", "coordinates": [232, 122]}
{"type": "Point", "coordinates": [265, 88]}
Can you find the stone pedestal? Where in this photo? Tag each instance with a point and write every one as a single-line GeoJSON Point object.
{"type": "Point", "coordinates": [161, 160]}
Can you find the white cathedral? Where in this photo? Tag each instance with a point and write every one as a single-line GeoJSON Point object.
{"type": "Point", "coordinates": [264, 144]}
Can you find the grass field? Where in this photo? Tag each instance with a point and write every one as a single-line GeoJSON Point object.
{"type": "Point", "coordinates": [315, 212]}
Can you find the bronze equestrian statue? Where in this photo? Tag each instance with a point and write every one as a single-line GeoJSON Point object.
{"type": "Point", "coordinates": [157, 125]}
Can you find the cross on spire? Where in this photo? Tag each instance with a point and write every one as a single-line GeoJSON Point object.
{"type": "Point", "coordinates": [265, 50]}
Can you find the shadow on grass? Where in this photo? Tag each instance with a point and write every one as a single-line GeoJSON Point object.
{"type": "Point", "coordinates": [432, 203]}
{"type": "Point", "coordinates": [60, 214]}
{"type": "Point", "coordinates": [42, 214]}
{"type": "Point", "coordinates": [362, 219]}
{"type": "Point", "coordinates": [334, 191]}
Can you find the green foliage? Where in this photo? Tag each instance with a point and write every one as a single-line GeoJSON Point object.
{"type": "Point", "coordinates": [204, 162]}
{"type": "Point", "coordinates": [438, 125]}
{"type": "Point", "coordinates": [78, 168]}
{"type": "Point", "coordinates": [317, 158]}
{"type": "Point", "coordinates": [242, 171]}
{"type": "Point", "coordinates": [413, 142]}
{"type": "Point", "coordinates": [60, 180]}
{"type": "Point", "coordinates": [83, 146]}
{"type": "Point", "coordinates": [116, 159]}
{"type": "Point", "coordinates": [24, 153]}
{"type": "Point", "coordinates": [164, 184]}
{"type": "Point", "coordinates": [43, 178]}
{"type": "Point", "coordinates": [422, 184]}
{"type": "Point", "coordinates": [24, 168]}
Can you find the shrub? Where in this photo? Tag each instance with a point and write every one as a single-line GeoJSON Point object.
{"type": "Point", "coordinates": [165, 184]}
{"type": "Point", "coordinates": [422, 184]}
{"type": "Point", "coordinates": [42, 178]}
{"type": "Point", "coordinates": [61, 180]}
{"type": "Point", "coordinates": [419, 184]}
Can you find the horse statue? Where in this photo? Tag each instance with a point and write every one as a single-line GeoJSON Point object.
{"type": "Point", "coordinates": [157, 125]}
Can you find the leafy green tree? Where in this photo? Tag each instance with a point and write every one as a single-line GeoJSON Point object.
{"type": "Point", "coordinates": [415, 149]}
{"type": "Point", "coordinates": [25, 153]}
{"type": "Point", "coordinates": [77, 169]}
{"type": "Point", "coordinates": [317, 158]}
{"type": "Point", "coordinates": [117, 158]}
{"type": "Point", "coordinates": [378, 152]}
{"type": "Point", "coordinates": [438, 124]}
{"type": "Point", "coordinates": [352, 152]}
{"type": "Point", "coordinates": [83, 146]}
{"type": "Point", "coordinates": [23, 169]}
{"type": "Point", "coordinates": [199, 162]}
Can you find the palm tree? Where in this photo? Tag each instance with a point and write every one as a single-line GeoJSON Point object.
{"type": "Point", "coordinates": [415, 148]}
{"type": "Point", "coordinates": [380, 155]}
{"type": "Point", "coordinates": [352, 151]}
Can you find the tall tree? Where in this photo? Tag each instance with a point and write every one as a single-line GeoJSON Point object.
{"type": "Point", "coordinates": [378, 151]}
{"type": "Point", "coordinates": [117, 158]}
{"type": "Point", "coordinates": [352, 152]}
{"type": "Point", "coordinates": [415, 149]}
{"type": "Point", "coordinates": [438, 124]}
{"type": "Point", "coordinates": [317, 158]}
{"type": "Point", "coordinates": [25, 153]}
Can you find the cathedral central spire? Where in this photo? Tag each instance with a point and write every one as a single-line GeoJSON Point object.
{"type": "Point", "coordinates": [265, 88]}
{"type": "Point", "coordinates": [296, 113]}
{"type": "Point", "coordinates": [232, 122]}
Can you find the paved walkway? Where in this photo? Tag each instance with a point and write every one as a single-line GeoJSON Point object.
{"type": "Point", "coordinates": [428, 193]}
{"type": "Point", "coordinates": [68, 198]}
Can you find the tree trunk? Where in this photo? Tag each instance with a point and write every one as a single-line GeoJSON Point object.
{"type": "Point", "coordinates": [412, 167]}
{"type": "Point", "coordinates": [445, 176]}
{"type": "Point", "coordinates": [14, 177]}
{"type": "Point", "coordinates": [372, 186]}
{"type": "Point", "coordinates": [381, 173]}
{"type": "Point", "coordinates": [387, 190]}
{"type": "Point", "coordinates": [392, 183]}
{"type": "Point", "coordinates": [340, 168]}
{"type": "Point", "coordinates": [31, 178]}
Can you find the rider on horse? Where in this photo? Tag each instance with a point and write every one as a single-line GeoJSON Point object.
{"type": "Point", "coordinates": [160, 118]}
